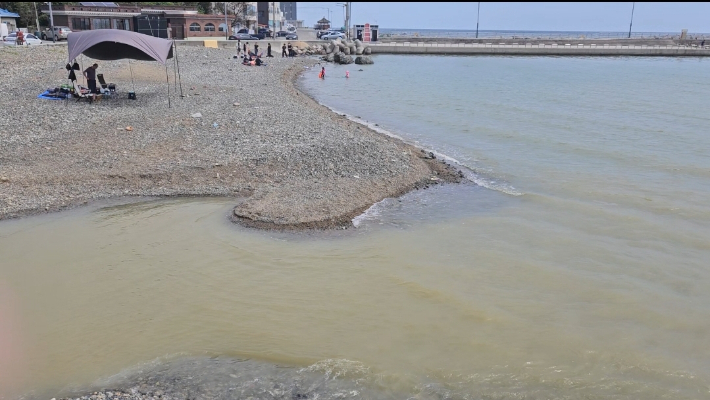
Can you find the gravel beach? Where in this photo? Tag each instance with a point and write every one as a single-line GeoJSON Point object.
{"type": "Point", "coordinates": [239, 131]}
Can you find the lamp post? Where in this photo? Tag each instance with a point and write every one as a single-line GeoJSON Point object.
{"type": "Point", "coordinates": [320, 8]}
{"type": "Point", "coordinates": [226, 25]}
{"type": "Point", "coordinates": [633, 5]}
{"type": "Point", "coordinates": [345, 10]}
{"type": "Point", "coordinates": [349, 13]}
{"type": "Point", "coordinates": [478, 13]}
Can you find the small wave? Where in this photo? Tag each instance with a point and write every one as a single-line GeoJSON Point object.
{"type": "Point", "coordinates": [334, 368]}
{"type": "Point", "coordinates": [372, 212]}
{"type": "Point", "coordinates": [469, 172]}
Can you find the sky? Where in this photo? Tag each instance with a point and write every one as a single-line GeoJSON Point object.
{"type": "Point", "coordinates": [604, 17]}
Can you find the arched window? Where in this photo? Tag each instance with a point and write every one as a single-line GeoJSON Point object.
{"type": "Point", "coordinates": [209, 27]}
{"type": "Point", "coordinates": [222, 27]}
{"type": "Point", "coordinates": [195, 27]}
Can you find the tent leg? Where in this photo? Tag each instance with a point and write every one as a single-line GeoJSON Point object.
{"type": "Point", "coordinates": [174, 70]}
{"type": "Point", "coordinates": [81, 65]}
{"type": "Point", "coordinates": [167, 79]}
{"type": "Point", "coordinates": [132, 82]}
{"type": "Point", "coordinates": [178, 68]}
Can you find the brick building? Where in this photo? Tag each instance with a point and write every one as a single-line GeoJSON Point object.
{"type": "Point", "coordinates": [163, 21]}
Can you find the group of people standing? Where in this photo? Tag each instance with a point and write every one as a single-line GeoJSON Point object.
{"type": "Point", "coordinates": [243, 49]}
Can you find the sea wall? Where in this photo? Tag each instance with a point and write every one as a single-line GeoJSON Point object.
{"type": "Point", "coordinates": [597, 48]}
{"type": "Point", "coordinates": [541, 49]}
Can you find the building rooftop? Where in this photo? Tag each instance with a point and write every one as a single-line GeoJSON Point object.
{"type": "Point", "coordinates": [8, 14]}
{"type": "Point", "coordinates": [98, 4]}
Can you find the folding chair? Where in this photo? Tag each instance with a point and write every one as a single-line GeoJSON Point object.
{"type": "Point", "coordinates": [106, 88]}
{"type": "Point", "coordinates": [82, 94]}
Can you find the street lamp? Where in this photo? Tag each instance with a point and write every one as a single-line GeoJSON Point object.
{"type": "Point", "coordinates": [320, 8]}
{"type": "Point", "coordinates": [346, 18]}
{"type": "Point", "coordinates": [51, 23]}
{"type": "Point", "coordinates": [226, 25]}
{"type": "Point", "coordinates": [633, 5]}
{"type": "Point", "coordinates": [478, 13]}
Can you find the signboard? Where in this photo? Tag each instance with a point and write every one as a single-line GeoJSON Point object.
{"type": "Point", "coordinates": [366, 33]}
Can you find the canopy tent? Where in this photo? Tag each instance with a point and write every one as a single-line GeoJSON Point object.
{"type": "Point", "coordinates": [116, 44]}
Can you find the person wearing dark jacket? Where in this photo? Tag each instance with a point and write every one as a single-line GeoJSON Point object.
{"type": "Point", "coordinates": [283, 51]}
{"type": "Point", "coordinates": [268, 50]}
{"type": "Point", "coordinates": [90, 74]}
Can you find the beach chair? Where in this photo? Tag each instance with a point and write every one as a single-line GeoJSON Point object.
{"type": "Point", "coordinates": [82, 93]}
{"type": "Point", "coordinates": [106, 88]}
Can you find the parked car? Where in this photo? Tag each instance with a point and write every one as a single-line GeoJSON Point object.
{"type": "Point", "coordinates": [263, 33]}
{"type": "Point", "coordinates": [243, 36]}
{"type": "Point", "coordinates": [291, 36]}
{"type": "Point", "coordinates": [333, 35]}
{"type": "Point", "coordinates": [29, 39]}
{"type": "Point", "coordinates": [282, 33]}
{"type": "Point", "coordinates": [61, 32]}
{"type": "Point", "coordinates": [243, 30]}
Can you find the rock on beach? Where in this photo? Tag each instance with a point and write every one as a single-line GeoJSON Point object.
{"type": "Point", "coordinates": [289, 160]}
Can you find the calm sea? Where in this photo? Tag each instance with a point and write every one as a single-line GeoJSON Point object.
{"type": "Point", "coordinates": [573, 264]}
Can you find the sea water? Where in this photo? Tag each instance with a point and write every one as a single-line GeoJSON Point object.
{"type": "Point", "coordinates": [573, 263]}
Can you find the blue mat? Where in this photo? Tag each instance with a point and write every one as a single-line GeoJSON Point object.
{"type": "Point", "coordinates": [46, 96]}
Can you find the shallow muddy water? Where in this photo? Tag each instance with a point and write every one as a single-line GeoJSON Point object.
{"type": "Point", "coordinates": [575, 267]}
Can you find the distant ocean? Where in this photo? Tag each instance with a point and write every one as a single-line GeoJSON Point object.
{"type": "Point", "coordinates": [471, 33]}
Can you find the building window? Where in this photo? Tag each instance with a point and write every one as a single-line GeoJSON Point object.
{"type": "Point", "coordinates": [209, 27]}
{"type": "Point", "coordinates": [102, 23]}
{"type": "Point", "coordinates": [195, 27]}
{"type": "Point", "coordinates": [122, 24]}
{"type": "Point", "coordinates": [81, 24]}
{"type": "Point", "coordinates": [222, 27]}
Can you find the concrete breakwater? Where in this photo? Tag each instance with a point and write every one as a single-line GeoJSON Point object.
{"type": "Point", "coordinates": [551, 49]}
{"type": "Point", "coordinates": [644, 48]}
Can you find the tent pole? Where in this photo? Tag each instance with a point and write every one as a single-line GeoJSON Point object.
{"type": "Point", "coordinates": [174, 70]}
{"type": "Point", "coordinates": [132, 82]}
{"type": "Point", "coordinates": [167, 79]}
{"type": "Point", "coordinates": [81, 65]}
{"type": "Point", "coordinates": [178, 68]}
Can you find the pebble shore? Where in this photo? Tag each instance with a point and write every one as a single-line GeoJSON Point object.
{"type": "Point", "coordinates": [238, 131]}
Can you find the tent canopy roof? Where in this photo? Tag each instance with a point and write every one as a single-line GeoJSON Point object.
{"type": "Point", "coordinates": [323, 21]}
{"type": "Point", "coordinates": [116, 44]}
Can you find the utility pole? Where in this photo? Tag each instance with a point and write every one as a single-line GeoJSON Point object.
{"type": "Point", "coordinates": [226, 25]}
{"type": "Point", "coordinates": [633, 5]}
{"type": "Point", "coordinates": [478, 13]}
{"type": "Point", "coordinates": [51, 23]}
{"type": "Point", "coordinates": [347, 18]}
{"type": "Point", "coordinates": [273, 17]}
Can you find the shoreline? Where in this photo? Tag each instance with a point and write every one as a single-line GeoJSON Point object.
{"type": "Point", "coordinates": [445, 172]}
{"type": "Point", "coordinates": [326, 197]}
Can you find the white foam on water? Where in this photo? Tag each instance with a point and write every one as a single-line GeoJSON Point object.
{"type": "Point", "coordinates": [371, 213]}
